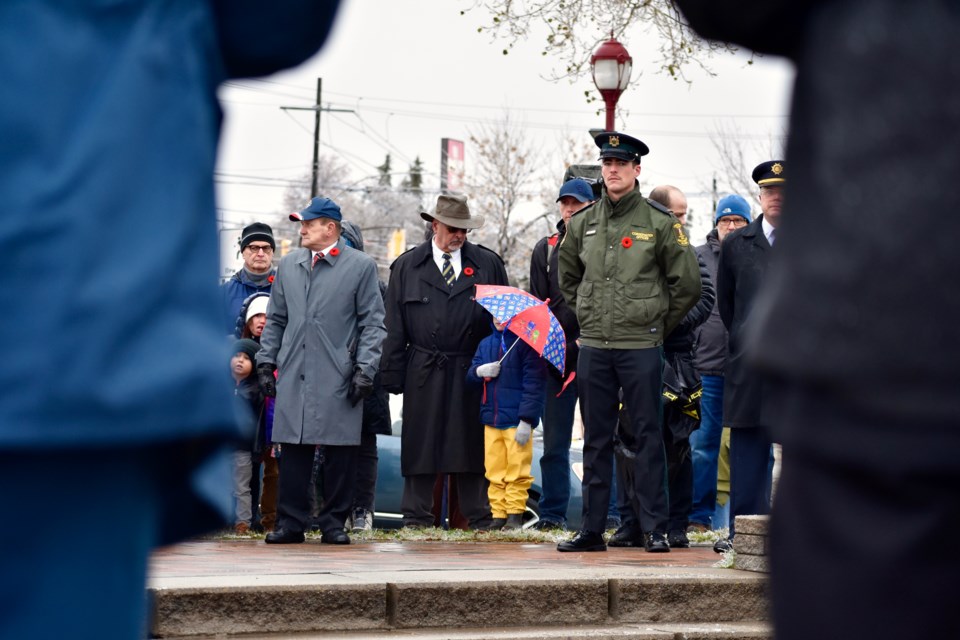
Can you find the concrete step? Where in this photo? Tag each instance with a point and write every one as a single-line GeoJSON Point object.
{"type": "Point", "coordinates": [640, 602]}
{"type": "Point", "coordinates": [720, 631]}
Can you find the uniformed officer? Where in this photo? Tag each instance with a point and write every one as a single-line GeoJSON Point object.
{"type": "Point", "coordinates": [628, 270]}
{"type": "Point", "coordinates": [748, 406]}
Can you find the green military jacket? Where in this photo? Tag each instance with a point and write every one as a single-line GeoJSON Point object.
{"type": "Point", "coordinates": [629, 272]}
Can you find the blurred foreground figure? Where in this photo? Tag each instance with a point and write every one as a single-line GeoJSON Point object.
{"type": "Point", "coordinates": [861, 313]}
{"type": "Point", "coordinates": [117, 417]}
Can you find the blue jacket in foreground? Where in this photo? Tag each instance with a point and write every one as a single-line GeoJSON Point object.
{"type": "Point", "coordinates": [109, 124]}
{"type": "Point", "coordinates": [517, 393]}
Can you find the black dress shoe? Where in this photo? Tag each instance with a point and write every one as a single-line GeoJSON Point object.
{"type": "Point", "coordinates": [548, 525]}
{"type": "Point", "coordinates": [628, 535]}
{"type": "Point", "coordinates": [335, 536]}
{"type": "Point", "coordinates": [678, 539]}
{"type": "Point", "coordinates": [284, 536]}
{"type": "Point", "coordinates": [723, 545]}
{"type": "Point", "coordinates": [584, 541]}
{"type": "Point", "coordinates": [656, 543]}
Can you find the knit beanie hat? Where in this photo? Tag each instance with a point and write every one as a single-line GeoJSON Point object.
{"type": "Point", "coordinates": [733, 205]}
{"type": "Point", "coordinates": [247, 346]}
{"type": "Point", "coordinates": [257, 231]}
{"type": "Point", "coordinates": [257, 305]}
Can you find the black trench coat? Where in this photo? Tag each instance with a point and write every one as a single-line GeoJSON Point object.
{"type": "Point", "coordinates": [741, 271]}
{"type": "Point", "coordinates": [432, 333]}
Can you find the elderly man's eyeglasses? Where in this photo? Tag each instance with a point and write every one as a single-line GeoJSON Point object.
{"type": "Point", "coordinates": [456, 229]}
{"type": "Point", "coordinates": [732, 221]}
{"type": "Point", "coordinates": [257, 248]}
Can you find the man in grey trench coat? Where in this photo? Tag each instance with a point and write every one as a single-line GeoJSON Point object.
{"type": "Point", "coordinates": [323, 337]}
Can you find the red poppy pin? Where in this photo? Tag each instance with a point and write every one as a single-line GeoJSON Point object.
{"type": "Point", "coordinates": [270, 279]}
{"type": "Point", "coordinates": [626, 243]}
{"type": "Point", "coordinates": [468, 271]}
{"type": "Point", "coordinates": [334, 252]}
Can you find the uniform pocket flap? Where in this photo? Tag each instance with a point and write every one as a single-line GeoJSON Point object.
{"type": "Point", "coordinates": [640, 290]}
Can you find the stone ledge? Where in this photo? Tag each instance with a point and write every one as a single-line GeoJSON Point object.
{"type": "Point", "coordinates": [184, 612]}
{"type": "Point", "coordinates": [690, 600]}
{"type": "Point", "coordinates": [499, 603]}
{"type": "Point", "coordinates": [726, 631]}
{"type": "Point", "coordinates": [754, 525]}
{"type": "Point", "coordinates": [744, 543]}
{"type": "Point", "coordinates": [700, 597]}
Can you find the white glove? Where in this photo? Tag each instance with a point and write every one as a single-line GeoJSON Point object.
{"type": "Point", "coordinates": [523, 433]}
{"type": "Point", "coordinates": [489, 370]}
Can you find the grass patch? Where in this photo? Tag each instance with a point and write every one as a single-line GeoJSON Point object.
{"type": "Point", "coordinates": [430, 534]}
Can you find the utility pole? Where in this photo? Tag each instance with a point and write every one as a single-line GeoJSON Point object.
{"type": "Point", "coordinates": [317, 108]}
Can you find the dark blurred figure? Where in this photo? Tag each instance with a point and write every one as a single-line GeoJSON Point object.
{"type": "Point", "coordinates": [115, 350]}
{"type": "Point", "coordinates": [861, 313]}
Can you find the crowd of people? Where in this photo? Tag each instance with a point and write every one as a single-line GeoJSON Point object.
{"type": "Point", "coordinates": [648, 320]}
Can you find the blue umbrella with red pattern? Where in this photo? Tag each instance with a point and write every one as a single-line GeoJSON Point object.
{"type": "Point", "coordinates": [528, 317]}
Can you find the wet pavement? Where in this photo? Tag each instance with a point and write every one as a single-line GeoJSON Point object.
{"type": "Point", "coordinates": [244, 558]}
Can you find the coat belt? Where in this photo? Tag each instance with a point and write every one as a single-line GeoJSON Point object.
{"type": "Point", "coordinates": [435, 359]}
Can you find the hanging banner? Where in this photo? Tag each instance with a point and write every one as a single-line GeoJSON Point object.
{"type": "Point", "coordinates": [451, 165]}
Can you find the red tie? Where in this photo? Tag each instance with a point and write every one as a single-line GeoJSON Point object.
{"type": "Point", "coordinates": [316, 259]}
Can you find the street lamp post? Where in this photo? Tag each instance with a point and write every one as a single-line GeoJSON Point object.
{"type": "Point", "coordinates": [611, 65]}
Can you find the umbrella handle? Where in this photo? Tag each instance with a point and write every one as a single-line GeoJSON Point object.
{"type": "Point", "coordinates": [508, 350]}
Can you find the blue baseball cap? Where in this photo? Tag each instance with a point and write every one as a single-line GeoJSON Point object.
{"type": "Point", "coordinates": [319, 208]}
{"type": "Point", "coordinates": [733, 206]}
{"type": "Point", "coordinates": [577, 188]}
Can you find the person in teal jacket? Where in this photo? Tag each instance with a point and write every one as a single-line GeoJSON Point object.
{"type": "Point", "coordinates": [113, 369]}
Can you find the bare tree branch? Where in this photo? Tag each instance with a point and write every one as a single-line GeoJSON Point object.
{"type": "Point", "coordinates": [574, 28]}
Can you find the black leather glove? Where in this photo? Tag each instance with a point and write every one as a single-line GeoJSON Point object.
{"type": "Point", "coordinates": [268, 384]}
{"type": "Point", "coordinates": [360, 387]}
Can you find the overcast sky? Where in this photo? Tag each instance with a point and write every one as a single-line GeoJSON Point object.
{"type": "Point", "coordinates": [414, 72]}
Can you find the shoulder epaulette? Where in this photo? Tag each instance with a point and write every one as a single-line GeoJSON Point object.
{"type": "Point", "coordinates": [659, 207]}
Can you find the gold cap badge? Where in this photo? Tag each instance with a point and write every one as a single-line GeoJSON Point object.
{"type": "Point", "coordinates": [777, 168]}
{"type": "Point", "coordinates": [614, 141]}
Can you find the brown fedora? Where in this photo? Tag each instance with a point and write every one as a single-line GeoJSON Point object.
{"type": "Point", "coordinates": [452, 211]}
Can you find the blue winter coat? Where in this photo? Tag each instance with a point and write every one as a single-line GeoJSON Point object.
{"type": "Point", "coordinates": [517, 393]}
{"type": "Point", "coordinates": [109, 124]}
{"type": "Point", "coordinates": [233, 293]}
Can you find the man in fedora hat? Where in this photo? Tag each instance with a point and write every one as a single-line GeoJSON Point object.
{"type": "Point", "coordinates": [433, 328]}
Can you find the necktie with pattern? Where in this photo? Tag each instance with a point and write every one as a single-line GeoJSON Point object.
{"type": "Point", "coordinates": [447, 272]}
{"type": "Point", "coordinates": [316, 259]}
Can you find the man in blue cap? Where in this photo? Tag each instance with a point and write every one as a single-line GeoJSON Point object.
{"type": "Point", "coordinates": [733, 212]}
{"type": "Point", "coordinates": [627, 268]}
{"type": "Point", "coordinates": [323, 338]}
{"type": "Point", "coordinates": [559, 409]}
{"type": "Point", "coordinates": [747, 404]}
